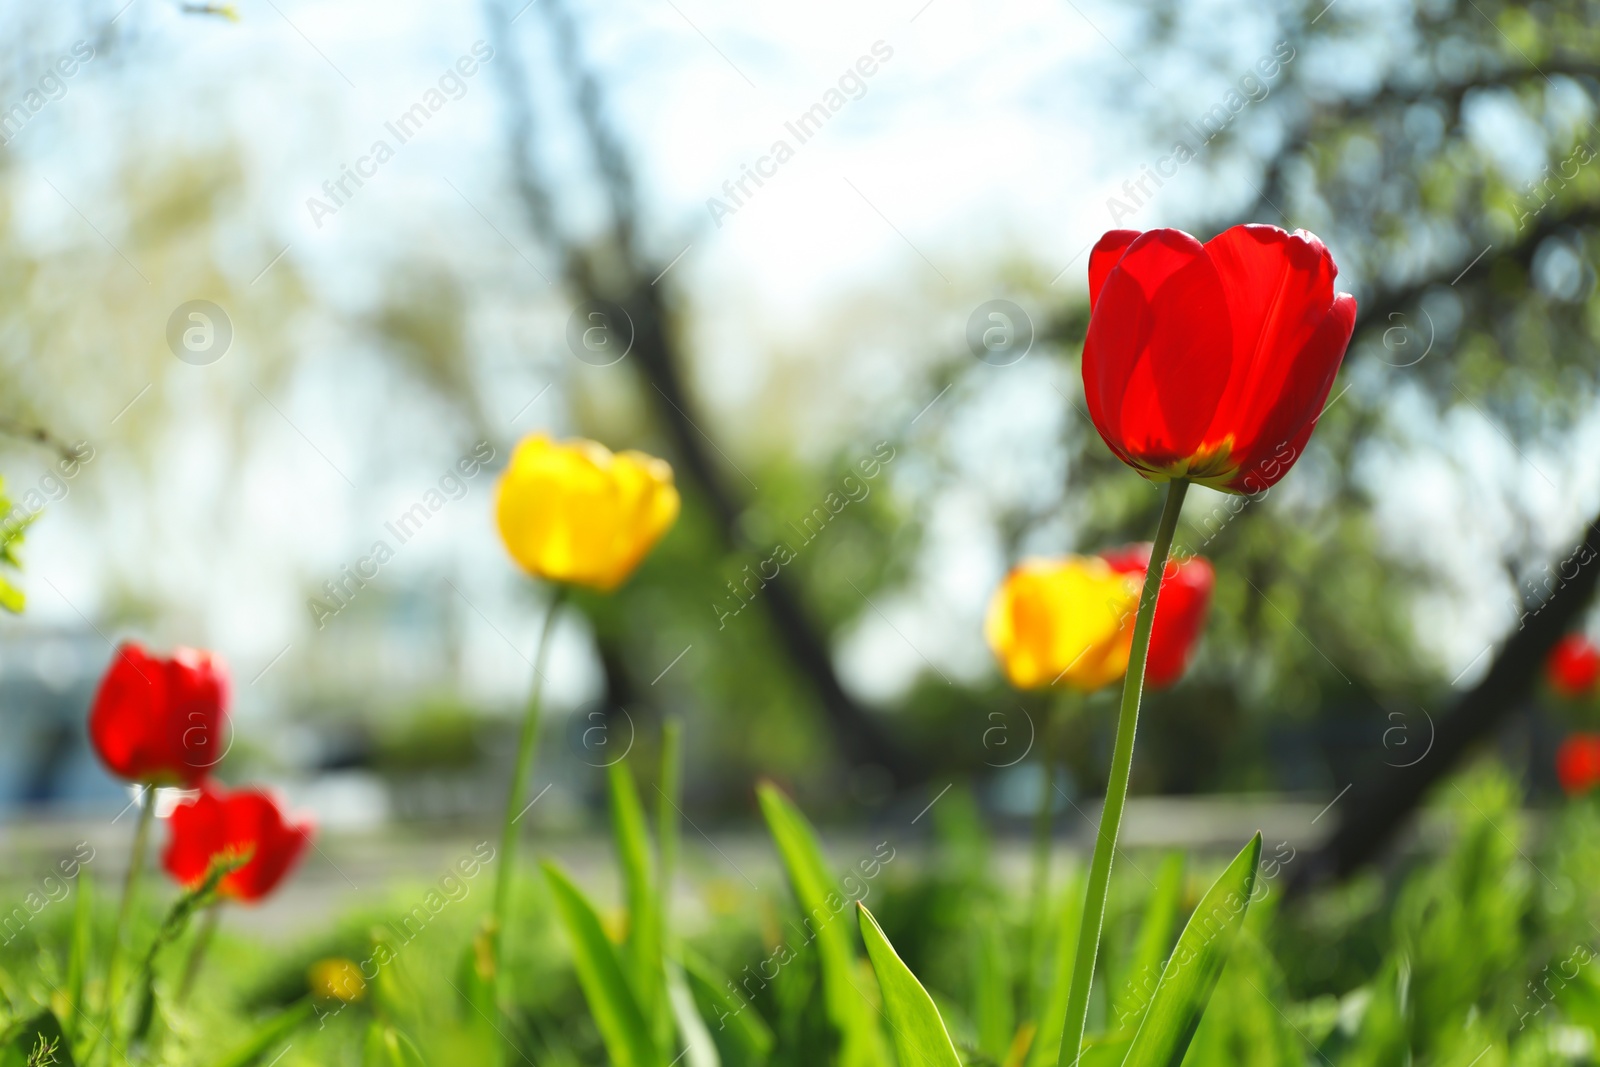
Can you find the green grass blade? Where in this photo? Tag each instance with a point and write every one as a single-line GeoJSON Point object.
{"type": "Point", "coordinates": [80, 953]}
{"type": "Point", "coordinates": [1139, 979]}
{"type": "Point", "coordinates": [387, 1047]}
{"type": "Point", "coordinates": [815, 891]}
{"type": "Point", "coordinates": [643, 946]}
{"type": "Point", "coordinates": [993, 1010]}
{"type": "Point", "coordinates": [743, 1037]}
{"type": "Point", "coordinates": [699, 1049]}
{"type": "Point", "coordinates": [1052, 1021]}
{"type": "Point", "coordinates": [920, 1039]}
{"type": "Point", "coordinates": [270, 1036]}
{"type": "Point", "coordinates": [616, 1011]}
{"type": "Point", "coordinates": [1196, 963]}
{"type": "Point", "coordinates": [667, 831]}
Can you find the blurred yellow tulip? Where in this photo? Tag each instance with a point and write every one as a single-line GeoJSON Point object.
{"type": "Point", "coordinates": [573, 511]}
{"type": "Point", "coordinates": [1064, 620]}
{"type": "Point", "coordinates": [336, 979]}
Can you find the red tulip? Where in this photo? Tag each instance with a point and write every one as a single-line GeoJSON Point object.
{"type": "Point", "coordinates": [1578, 763]}
{"type": "Point", "coordinates": [248, 821]}
{"type": "Point", "coordinates": [160, 721]}
{"type": "Point", "coordinates": [1180, 609]}
{"type": "Point", "coordinates": [1573, 666]}
{"type": "Point", "coordinates": [1212, 361]}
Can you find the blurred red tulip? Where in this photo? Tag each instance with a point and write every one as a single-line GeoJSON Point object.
{"type": "Point", "coordinates": [1212, 361]}
{"type": "Point", "coordinates": [1573, 666]}
{"type": "Point", "coordinates": [1578, 763]}
{"type": "Point", "coordinates": [159, 721]}
{"type": "Point", "coordinates": [1180, 609]}
{"type": "Point", "coordinates": [247, 821]}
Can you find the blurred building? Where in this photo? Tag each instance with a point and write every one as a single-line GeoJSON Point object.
{"type": "Point", "coordinates": [47, 679]}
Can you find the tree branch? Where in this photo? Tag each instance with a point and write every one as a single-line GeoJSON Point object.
{"type": "Point", "coordinates": [618, 271]}
{"type": "Point", "coordinates": [1380, 803]}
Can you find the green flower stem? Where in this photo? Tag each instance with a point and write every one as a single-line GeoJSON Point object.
{"type": "Point", "coordinates": [198, 950]}
{"type": "Point", "coordinates": [1055, 717]}
{"type": "Point", "coordinates": [130, 884]}
{"type": "Point", "coordinates": [521, 778]}
{"type": "Point", "coordinates": [1105, 845]}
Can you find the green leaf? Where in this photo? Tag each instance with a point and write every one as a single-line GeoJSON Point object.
{"type": "Point", "coordinates": [474, 980]}
{"type": "Point", "coordinates": [1191, 972]}
{"type": "Point", "coordinates": [268, 1037]}
{"type": "Point", "coordinates": [616, 1011]}
{"type": "Point", "coordinates": [387, 1047]}
{"type": "Point", "coordinates": [37, 1041]}
{"type": "Point", "coordinates": [1046, 1048]}
{"type": "Point", "coordinates": [12, 599]}
{"type": "Point", "coordinates": [80, 952]}
{"type": "Point", "coordinates": [394, 993]}
{"type": "Point", "coordinates": [644, 970]}
{"type": "Point", "coordinates": [743, 1037]}
{"type": "Point", "coordinates": [671, 788]}
{"type": "Point", "coordinates": [848, 1009]}
{"type": "Point", "coordinates": [1138, 984]}
{"type": "Point", "coordinates": [173, 926]}
{"type": "Point", "coordinates": [993, 1011]}
{"type": "Point", "coordinates": [1107, 1051]}
{"type": "Point", "coordinates": [920, 1039]}
{"type": "Point", "coordinates": [699, 1050]}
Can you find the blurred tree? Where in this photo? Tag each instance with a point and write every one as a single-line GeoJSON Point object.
{"type": "Point", "coordinates": [1445, 152]}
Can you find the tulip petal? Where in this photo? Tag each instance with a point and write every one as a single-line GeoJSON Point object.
{"type": "Point", "coordinates": [1157, 358]}
{"type": "Point", "coordinates": [160, 721]}
{"type": "Point", "coordinates": [1279, 289]}
{"type": "Point", "coordinates": [1181, 605]}
{"type": "Point", "coordinates": [1108, 252]}
{"type": "Point", "coordinates": [575, 512]}
{"type": "Point", "coordinates": [1293, 414]}
{"type": "Point", "coordinates": [1067, 620]}
{"type": "Point", "coordinates": [1578, 763]}
{"type": "Point", "coordinates": [244, 821]}
{"type": "Point", "coordinates": [1573, 666]}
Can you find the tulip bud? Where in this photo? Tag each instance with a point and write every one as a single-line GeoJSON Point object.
{"type": "Point", "coordinates": [248, 822]}
{"type": "Point", "coordinates": [1573, 666]}
{"type": "Point", "coordinates": [1068, 620]}
{"type": "Point", "coordinates": [159, 721]}
{"type": "Point", "coordinates": [1212, 362]}
{"type": "Point", "coordinates": [577, 512]}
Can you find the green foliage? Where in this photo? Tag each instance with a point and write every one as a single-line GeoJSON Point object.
{"type": "Point", "coordinates": [920, 1037]}
{"type": "Point", "coordinates": [388, 1047]}
{"type": "Point", "coordinates": [1052, 991]}
{"type": "Point", "coordinates": [606, 984]}
{"type": "Point", "coordinates": [1482, 944]}
{"type": "Point", "coordinates": [37, 1041]}
{"type": "Point", "coordinates": [266, 1038]}
{"type": "Point", "coordinates": [12, 599]}
{"type": "Point", "coordinates": [1191, 972]}
{"type": "Point", "coordinates": [821, 906]}
{"type": "Point", "coordinates": [1150, 949]}
{"type": "Point", "coordinates": [643, 948]}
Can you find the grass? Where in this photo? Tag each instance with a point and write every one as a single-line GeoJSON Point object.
{"type": "Point", "coordinates": [1480, 955]}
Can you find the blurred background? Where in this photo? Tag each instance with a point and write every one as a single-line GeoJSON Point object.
{"type": "Point", "coordinates": [271, 270]}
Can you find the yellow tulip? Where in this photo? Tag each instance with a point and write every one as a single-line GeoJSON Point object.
{"type": "Point", "coordinates": [1067, 620]}
{"type": "Point", "coordinates": [336, 979]}
{"type": "Point", "coordinates": [573, 511]}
